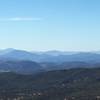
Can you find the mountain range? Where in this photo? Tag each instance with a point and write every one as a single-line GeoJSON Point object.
{"type": "Point", "coordinates": [49, 56]}
{"type": "Point", "coordinates": [25, 62]}
{"type": "Point", "coordinates": [50, 75]}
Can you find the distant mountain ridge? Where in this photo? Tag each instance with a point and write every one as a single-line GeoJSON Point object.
{"type": "Point", "coordinates": [25, 62]}
{"type": "Point", "coordinates": [21, 67]}
{"type": "Point", "coordinates": [49, 56]}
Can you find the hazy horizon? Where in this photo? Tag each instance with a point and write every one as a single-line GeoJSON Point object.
{"type": "Point", "coordinates": [49, 50]}
{"type": "Point", "coordinates": [41, 25]}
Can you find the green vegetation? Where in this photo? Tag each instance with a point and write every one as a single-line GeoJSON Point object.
{"type": "Point", "coordinates": [73, 84]}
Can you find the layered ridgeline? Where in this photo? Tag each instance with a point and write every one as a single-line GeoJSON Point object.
{"type": "Point", "coordinates": [49, 56]}
{"type": "Point", "coordinates": [23, 62]}
{"type": "Point", "coordinates": [52, 75]}
{"type": "Point", "coordinates": [77, 84]}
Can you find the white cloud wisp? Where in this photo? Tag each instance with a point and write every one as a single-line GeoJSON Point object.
{"type": "Point", "coordinates": [20, 19]}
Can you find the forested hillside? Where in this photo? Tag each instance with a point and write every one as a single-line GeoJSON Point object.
{"type": "Point", "coordinates": [77, 84]}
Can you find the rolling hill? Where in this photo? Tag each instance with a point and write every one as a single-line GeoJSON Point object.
{"type": "Point", "coordinates": [80, 84]}
{"type": "Point", "coordinates": [22, 67]}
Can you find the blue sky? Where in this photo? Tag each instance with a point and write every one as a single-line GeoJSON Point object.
{"type": "Point", "coordinates": [68, 25]}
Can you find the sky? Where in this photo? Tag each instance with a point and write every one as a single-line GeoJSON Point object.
{"type": "Point", "coordinates": [41, 25]}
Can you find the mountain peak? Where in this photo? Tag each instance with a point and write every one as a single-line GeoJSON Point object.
{"type": "Point", "coordinates": [5, 51]}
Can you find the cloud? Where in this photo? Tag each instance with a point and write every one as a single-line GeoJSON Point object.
{"type": "Point", "coordinates": [20, 19]}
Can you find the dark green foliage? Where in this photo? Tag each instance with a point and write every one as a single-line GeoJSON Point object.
{"type": "Point", "coordinates": [73, 84]}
